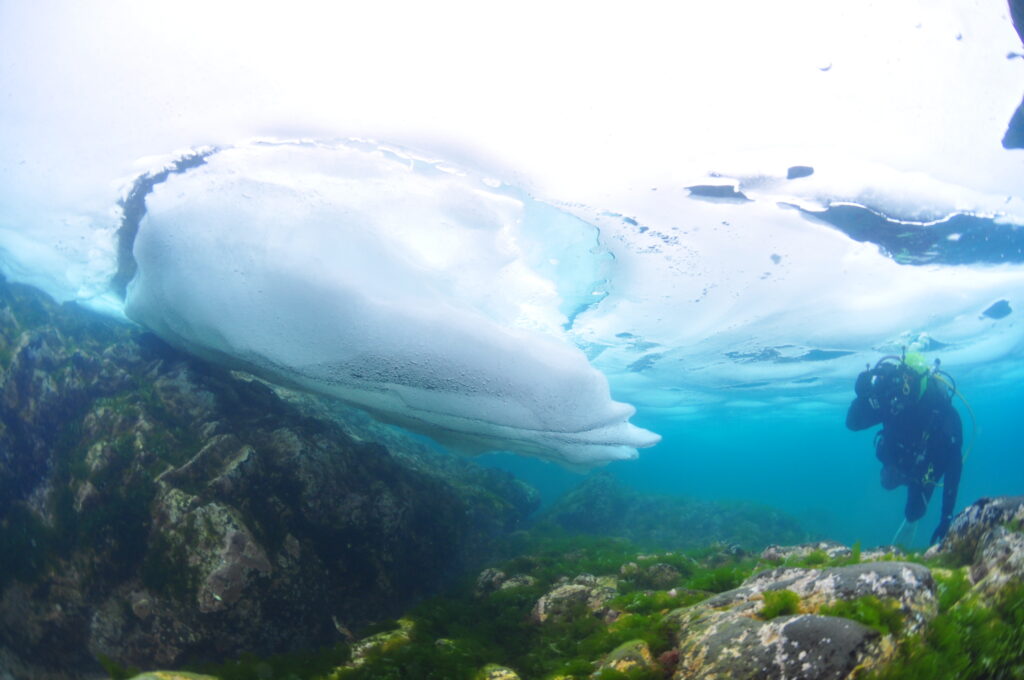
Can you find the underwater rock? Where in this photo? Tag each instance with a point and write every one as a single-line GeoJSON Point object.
{"type": "Point", "coordinates": [789, 622]}
{"type": "Point", "coordinates": [595, 506]}
{"type": "Point", "coordinates": [381, 643]}
{"type": "Point", "coordinates": [779, 553]}
{"type": "Point", "coordinates": [585, 595]}
{"type": "Point", "coordinates": [659, 576]}
{"type": "Point", "coordinates": [488, 581]}
{"type": "Point", "coordinates": [156, 508]}
{"type": "Point", "coordinates": [999, 562]}
{"type": "Point", "coordinates": [827, 551]}
{"type": "Point", "coordinates": [988, 536]}
{"type": "Point", "coordinates": [883, 552]}
{"type": "Point", "coordinates": [491, 580]}
{"type": "Point", "coordinates": [804, 646]}
{"type": "Point", "coordinates": [906, 584]}
{"type": "Point", "coordinates": [630, 656]}
{"type": "Point", "coordinates": [969, 528]}
{"type": "Point", "coordinates": [521, 581]}
{"type": "Point", "coordinates": [496, 672]}
{"type": "Point", "coordinates": [563, 603]}
{"type": "Point", "coordinates": [724, 636]}
{"type": "Point", "coordinates": [172, 675]}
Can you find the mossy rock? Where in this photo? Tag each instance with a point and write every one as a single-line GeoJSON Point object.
{"type": "Point", "coordinates": [172, 675]}
{"type": "Point", "coordinates": [585, 596]}
{"type": "Point", "coordinates": [629, 656]}
{"type": "Point", "coordinates": [382, 643]}
{"type": "Point", "coordinates": [659, 576]}
{"type": "Point", "coordinates": [493, 671]}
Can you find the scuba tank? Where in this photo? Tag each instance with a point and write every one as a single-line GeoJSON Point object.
{"type": "Point", "coordinates": [895, 377]}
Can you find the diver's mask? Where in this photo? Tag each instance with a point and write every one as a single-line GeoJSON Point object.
{"type": "Point", "coordinates": [893, 389]}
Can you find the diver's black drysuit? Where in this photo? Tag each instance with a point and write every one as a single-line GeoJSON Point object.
{"type": "Point", "coordinates": [920, 439]}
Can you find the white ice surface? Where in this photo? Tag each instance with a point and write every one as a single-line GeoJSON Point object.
{"type": "Point", "coordinates": [413, 291]}
{"type": "Point", "coordinates": [603, 111]}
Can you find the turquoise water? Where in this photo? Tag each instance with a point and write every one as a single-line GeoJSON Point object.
{"type": "Point", "coordinates": [813, 468]}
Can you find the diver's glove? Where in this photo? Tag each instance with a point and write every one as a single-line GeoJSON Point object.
{"type": "Point", "coordinates": [940, 531]}
{"type": "Point", "coordinates": [864, 386]}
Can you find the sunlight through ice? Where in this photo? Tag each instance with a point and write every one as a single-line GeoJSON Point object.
{"type": "Point", "coordinates": [638, 218]}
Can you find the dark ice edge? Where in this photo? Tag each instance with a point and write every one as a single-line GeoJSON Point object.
{"type": "Point", "coordinates": [133, 209]}
{"type": "Point", "coordinates": [960, 238]}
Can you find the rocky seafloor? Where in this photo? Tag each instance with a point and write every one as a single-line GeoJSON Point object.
{"type": "Point", "coordinates": [575, 608]}
{"type": "Point", "coordinates": [159, 512]}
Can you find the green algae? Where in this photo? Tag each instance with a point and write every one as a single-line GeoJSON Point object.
{"type": "Point", "coordinates": [631, 674]}
{"type": "Point", "coordinates": [720, 579]}
{"type": "Point", "coordinates": [970, 640]}
{"type": "Point", "coordinates": [884, 616]}
{"type": "Point", "coordinates": [548, 552]}
{"type": "Point", "coordinates": [27, 545]}
{"type": "Point", "coordinates": [307, 665]}
{"type": "Point", "coordinates": [175, 675]}
{"type": "Point", "coordinates": [951, 587]}
{"type": "Point", "coordinates": [816, 558]}
{"type": "Point", "coordinates": [115, 670]}
{"type": "Point", "coordinates": [120, 523]}
{"type": "Point", "coordinates": [779, 603]}
{"type": "Point", "coordinates": [165, 569]}
{"type": "Point", "coordinates": [456, 635]}
{"type": "Point", "coordinates": [820, 559]}
{"type": "Point", "coordinates": [651, 602]}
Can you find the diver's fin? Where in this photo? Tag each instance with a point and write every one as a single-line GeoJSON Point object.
{"type": "Point", "coordinates": [905, 534]}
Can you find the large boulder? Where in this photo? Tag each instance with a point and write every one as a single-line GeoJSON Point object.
{"type": "Point", "coordinates": [172, 675]}
{"type": "Point", "coordinates": [496, 672]}
{"type": "Point", "coordinates": [157, 510]}
{"type": "Point", "coordinates": [804, 647]}
{"type": "Point", "coordinates": [583, 596]}
{"type": "Point", "coordinates": [630, 656]}
{"type": "Point", "coordinates": [790, 622]}
{"type": "Point", "coordinates": [987, 535]}
{"type": "Point", "coordinates": [973, 523]}
{"type": "Point", "coordinates": [829, 550]}
{"type": "Point", "coordinates": [999, 562]}
{"type": "Point", "coordinates": [731, 635]}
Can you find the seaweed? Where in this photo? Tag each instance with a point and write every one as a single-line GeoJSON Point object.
{"type": "Point", "coordinates": [650, 602]}
{"type": "Point", "coordinates": [26, 543]}
{"type": "Point", "coordinates": [317, 663]}
{"type": "Point", "coordinates": [631, 674]}
{"type": "Point", "coordinates": [456, 635]}
{"type": "Point", "coordinates": [719, 580]}
{"type": "Point", "coordinates": [115, 670]}
{"type": "Point", "coordinates": [165, 569]}
{"type": "Point", "coordinates": [816, 558]}
{"type": "Point", "coordinates": [884, 616]}
{"type": "Point", "coordinates": [951, 587]}
{"type": "Point", "coordinates": [971, 640]}
{"type": "Point", "coordinates": [779, 603]}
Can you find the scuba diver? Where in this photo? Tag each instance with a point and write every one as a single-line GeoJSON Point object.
{"type": "Point", "coordinates": [921, 436]}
